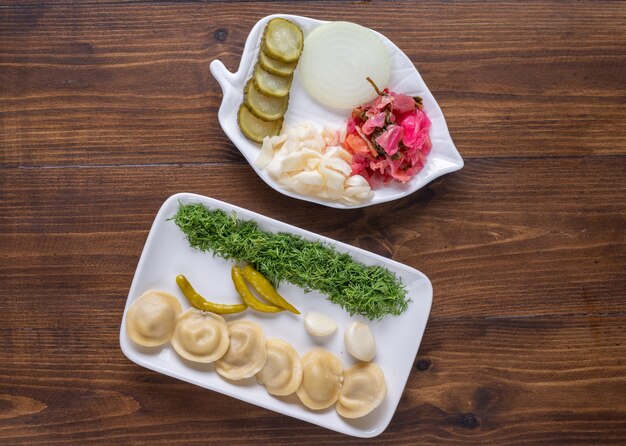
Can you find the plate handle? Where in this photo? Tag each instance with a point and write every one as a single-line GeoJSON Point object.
{"type": "Point", "coordinates": [224, 77]}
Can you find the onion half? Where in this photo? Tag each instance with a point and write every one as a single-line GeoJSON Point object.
{"type": "Point", "coordinates": [336, 61]}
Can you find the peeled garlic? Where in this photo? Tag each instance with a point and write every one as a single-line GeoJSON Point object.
{"type": "Point", "coordinates": [318, 324]}
{"type": "Point", "coordinates": [360, 341]}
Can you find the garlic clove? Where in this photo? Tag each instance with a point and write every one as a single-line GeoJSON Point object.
{"type": "Point", "coordinates": [360, 341]}
{"type": "Point", "coordinates": [318, 324]}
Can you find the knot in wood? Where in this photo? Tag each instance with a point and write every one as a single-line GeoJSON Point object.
{"type": "Point", "coordinates": [220, 34]}
{"type": "Point", "coordinates": [422, 365]}
{"type": "Point", "coordinates": [469, 421]}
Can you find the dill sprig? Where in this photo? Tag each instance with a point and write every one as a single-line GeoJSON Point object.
{"type": "Point", "coordinates": [370, 291]}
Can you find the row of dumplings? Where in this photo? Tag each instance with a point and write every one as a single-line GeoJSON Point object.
{"type": "Point", "coordinates": [240, 350]}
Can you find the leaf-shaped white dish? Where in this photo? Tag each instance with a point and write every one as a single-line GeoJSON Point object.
{"type": "Point", "coordinates": [443, 158]}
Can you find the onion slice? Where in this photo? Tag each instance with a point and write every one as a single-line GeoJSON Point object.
{"type": "Point", "coordinates": [338, 58]}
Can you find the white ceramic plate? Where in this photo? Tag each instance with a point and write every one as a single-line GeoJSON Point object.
{"type": "Point", "coordinates": [167, 254]}
{"type": "Point", "coordinates": [443, 158]}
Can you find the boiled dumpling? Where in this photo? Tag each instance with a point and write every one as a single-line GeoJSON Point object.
{"type": "Point", "coordinates": [282, 372]}
{"type": "Point", "coordinates": [363, 390]}
{"type": "Point", "coordinates": [150, 320]}
{"type": "Point", "coordinates": [321, 379]}
{"type": "Point", "coordinates": [246, 354]}
{"type": "Point", "coordinates": [200, 336]}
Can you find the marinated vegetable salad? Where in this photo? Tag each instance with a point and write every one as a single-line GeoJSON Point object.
{"type": "Point", "coordinates": [388, 138]}
{"type": "Point", "coordinates": [384, 139]}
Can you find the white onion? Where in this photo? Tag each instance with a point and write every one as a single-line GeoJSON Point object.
{"type": "Point", "coordinates": [300, 160]}
{"type": "Point", "coordinates": [337, 59]}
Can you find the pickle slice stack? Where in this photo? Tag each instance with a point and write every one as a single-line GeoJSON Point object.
{"type": "Point", "coordinates": [276, 67]}
{"type": "Point", "coordinates": [267, 108]}
{"type": "Point", "coordinates": [254, 128]}
{"type": "Point", "coordinates": [270, 84]}
{"type": "Point", "coordinates": [266, 94]}
{"type": "Point", "coordinates": [282, 40]}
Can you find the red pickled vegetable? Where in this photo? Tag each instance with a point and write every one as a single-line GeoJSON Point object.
{"type": "Point", "coordinates": [388, 138]}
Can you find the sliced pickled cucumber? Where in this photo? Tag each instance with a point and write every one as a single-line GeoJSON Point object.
{"type": "Point", "coordinates": [267, 108]}
{"type": "Point", "coordinates": [270, 84]}
{"type": "Point", "coordinates": [276, 67]}
{"type": "Point", "coordinates": [266, 95]}
{"type": "Point", "coordinates": [282, 40]}
{"type": "Point", "coordinates": [254, 128]}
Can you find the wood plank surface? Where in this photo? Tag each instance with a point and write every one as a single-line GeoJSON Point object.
{"type": "Point", "coordinates": [494, 381]}
{"type": "Point", "coordinates": [522, 221]}
{"type": "Point", "coordinates": [100, 84]}
{"type": "Point", "coordinates": [108, 107]}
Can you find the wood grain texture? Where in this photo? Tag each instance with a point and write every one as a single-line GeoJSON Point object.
{"type": "Point", "coordinates": [100, 84]}
{"type": "Point", "coordinates": [107, 108]}
{"type": "Point", "coordinates": [493, 381]}
{"type": "Point", "coordinates": [492, 237]}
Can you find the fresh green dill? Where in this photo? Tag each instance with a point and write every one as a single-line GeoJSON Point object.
{"type": "Point", "coordinates": [370, 291]}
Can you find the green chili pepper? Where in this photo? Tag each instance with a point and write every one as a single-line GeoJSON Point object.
{"type": "Point", "coordinates": [265, 289]}
{"type": "Point", "coordinates": [248, 297]}
{"type": "Point", "coordinates": [199, 302]}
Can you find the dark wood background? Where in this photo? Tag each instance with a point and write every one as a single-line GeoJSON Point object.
{"type": "Point", "coordinates": [107, 108]}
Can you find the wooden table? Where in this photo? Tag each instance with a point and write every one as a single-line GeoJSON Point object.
{"type": "Point", "coordinates": [107, 108]}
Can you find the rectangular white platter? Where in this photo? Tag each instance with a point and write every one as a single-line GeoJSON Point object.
{"type": "Point", "coordinates": [167, 253]}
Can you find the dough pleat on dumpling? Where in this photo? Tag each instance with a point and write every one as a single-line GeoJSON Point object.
{"type": "Point", "coordinates": [151, 319]}
{"type": "Point", "coordinates": [363, 390]}
{"type": "Point", "coordinates": [282, 373]}
{"type": "Point", "coordinates": [246, 353]}
{"type": "Point", "coordinates": [200, 336]}
{"type": "Point", "coordinates": [322, 375]}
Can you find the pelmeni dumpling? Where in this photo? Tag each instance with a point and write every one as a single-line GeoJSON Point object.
{"type": "Point", "coordinates": [246, 354]}
{"type": "Point", "coordinates": [200, 336]}
{"type": "Point", "coordinates": [282, 372]}
{"type": "Point", "coordinates": [321, 379]}
{"type": "Point", "coordinates": [363, 390]}
{"type": "Point", "coordinates": [150, 320]}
